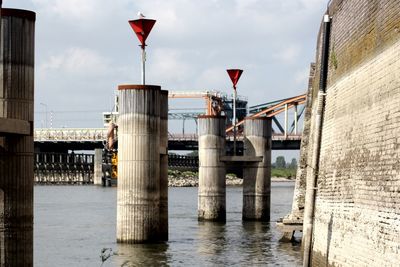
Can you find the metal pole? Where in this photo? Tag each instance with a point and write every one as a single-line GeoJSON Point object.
{"type": "Point", "coordinates": [286, 120]}
{"type": "Point", "coordinates": [234, 121]}
{"type": "Point", "coordinates": [143, 65]}
{"type": "Point", "coordinates": [51, 119]}
{"type": "Point", "coordinates": [295, 119]}
{"type": "Point", "coordinates": [45, 107]}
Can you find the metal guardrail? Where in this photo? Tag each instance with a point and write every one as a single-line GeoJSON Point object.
{"type": "Point", "coordinates": [70, 134]}
{"type": "Point", "coordinates": [100, 134]}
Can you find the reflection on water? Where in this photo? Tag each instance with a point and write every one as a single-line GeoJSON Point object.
{"type": "Point", "coordinates": [142, 255]}
{"type": "Point", "coordinates": [73, 225]}
{"type": "Point", "coordinates": [257, 242]}
{"type": "Point", "coordinates": [212, 241]}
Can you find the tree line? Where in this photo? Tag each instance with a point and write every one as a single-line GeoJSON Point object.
{"type": "Point", "coordinates": [281, 163]}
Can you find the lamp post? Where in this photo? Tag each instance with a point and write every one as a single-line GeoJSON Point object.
{"type": "Point", "coordinates": [234, 74]}
{"type": "Point", "coordinates": [142, 28]}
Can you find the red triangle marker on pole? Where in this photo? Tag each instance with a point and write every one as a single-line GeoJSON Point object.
{"type": "Point", "coordinates": [142, 29]}
{"type": "Point", "coordinates": [234, 74]}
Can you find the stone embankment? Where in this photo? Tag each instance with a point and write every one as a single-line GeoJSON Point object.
{"type": "Point", "coordinates": [190, 179]}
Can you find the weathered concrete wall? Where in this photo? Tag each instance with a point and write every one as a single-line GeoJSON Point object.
{"type": "Point", "coordinates": [297, 212]}
{"type": "Point", "coordinates": [138, 198]}
{"type": "Point", "coordinates": [257, 176]}
{"type": "Point", "coordinates": [212, 172]}
{"type": "Point", "coordinates": [357, 208]}
{"type": "Point", "coordinates": [17, 44]}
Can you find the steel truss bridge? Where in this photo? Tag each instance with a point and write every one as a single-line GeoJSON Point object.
{"type": "Point", "coordinates": [62, 140]}
{"type": "Point", "coordinates": [286, 135]}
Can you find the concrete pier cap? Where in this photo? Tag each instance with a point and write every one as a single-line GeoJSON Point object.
{"type": "Point", "coordinates": [139, 184]}
{"type": "Point", "coordinates": [257, 175]}
{"type": "Point", "coordinates": [212, 186]}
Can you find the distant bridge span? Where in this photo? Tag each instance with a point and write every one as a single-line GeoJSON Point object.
{"type": "Point", "coordinates": [64, 139]}
{"type": "Point", "coordinates": [285, 135]}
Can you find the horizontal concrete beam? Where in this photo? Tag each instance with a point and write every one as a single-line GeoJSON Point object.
{"type": "Point", "coordinates": [289, 227]}
{"type": "Point", "coordinates": [241, 159]}
{"type": "Point", "coordinates": [14, 126]}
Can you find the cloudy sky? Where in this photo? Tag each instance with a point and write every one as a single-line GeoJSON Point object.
{"type": "Point", "coordinates": [85, 48]}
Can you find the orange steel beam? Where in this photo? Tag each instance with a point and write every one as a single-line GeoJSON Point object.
{"type": "Point", "coordinates": [296, 99]}
{"type": "Point", "coordinates": [187, 96]}
{"type": "Point", "coordinates": [276, 112]}
{"type": "Point", "coordinates": [206, 96]}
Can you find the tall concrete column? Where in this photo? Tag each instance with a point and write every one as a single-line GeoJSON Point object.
{"type": "Point", "coordinates": [164, 165]}
{"type": "Point", "coordinates": [16, 150]}
{"type": "Point", "coordinates": [138, 197]}
{"type": "Point", "coordinates": [98, 161]}
{"type": "Point", "coordinates": [212, 187]}
{"type": "Point", "coordinates": [257, 176]}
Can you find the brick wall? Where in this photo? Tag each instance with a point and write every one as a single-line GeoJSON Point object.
{"type": "Point", "coordinates": [357, 209]}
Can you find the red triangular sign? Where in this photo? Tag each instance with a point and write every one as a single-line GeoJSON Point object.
{"type": "Point", "coordinates": [142, 28]}
{"type": "Point", "coordinates": [234, 74]}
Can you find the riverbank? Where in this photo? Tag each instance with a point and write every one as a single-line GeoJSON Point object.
{"type": "Point", "coordinates": [190, 179]}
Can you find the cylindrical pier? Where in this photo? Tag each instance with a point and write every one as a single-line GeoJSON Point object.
{"type": "Point", "coordinates": [138, 198]}
{"type": "Point", "coordinates": [257, 176]}
{"type": "Point", "coordinates": [164, 165]}
{"type": "Point", "coordinates": [16, 149]}
{"type": "Point", "coordinates": [212, 187]}
{"type": "Point", "coordinates": [98, 161]}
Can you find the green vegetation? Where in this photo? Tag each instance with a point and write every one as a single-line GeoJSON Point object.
{"type": "Point", "coordinates": [282, 169]}
{"type": "Point", "coordinates": [287, 173]}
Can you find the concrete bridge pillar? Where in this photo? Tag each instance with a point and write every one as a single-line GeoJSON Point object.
{"type": "Point", "coordinates": [164, 165]}
{"type": "Point", "coordinates": [138, 198]}
{"type": "Point", "coordinates": [257, 176]}
{"type": "Point", "coordinates": [98, 161]}
{"type": "Point", "coordinates": [16, 142]}
{"type": "Point", "coordinates": [212, 187]}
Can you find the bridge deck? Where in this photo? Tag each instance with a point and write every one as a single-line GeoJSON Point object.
{"type": "Point", "coordinates": [88, 139]}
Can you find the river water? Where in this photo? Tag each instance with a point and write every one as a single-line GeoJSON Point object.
{"type": "Point", "coordinates": [74, 223]}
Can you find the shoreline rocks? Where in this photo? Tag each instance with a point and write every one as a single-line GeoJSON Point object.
{"type": "Point", "coordinates": [190, 179]}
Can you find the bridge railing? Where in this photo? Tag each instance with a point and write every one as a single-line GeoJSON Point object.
{"type": "Point", "coordinates": [229, 137]}
{"type": "Point", "coordinates": [100, 134]}
{"type": "Point", "coordinates": [70, 134]}
{"type": "Point", "coordinates": [182, 137]}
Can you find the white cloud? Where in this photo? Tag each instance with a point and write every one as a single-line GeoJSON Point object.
{"type": "Point", "coordinates": [69, 9]}
{"type": "Point", "coordinates": [289, 54]}
{"type": "Point", "coordinates": [169, 66]}
{"type": "Point", "coordinates": [76, 61]}
{"type": "Point", "coordinates": [88, 43]}
{"type": "Point", "coordinates": [301, 77]}
{"type": "Point", "coordinates": [212, 78]}
{"type": "Point", "coordinates": [313, 5]}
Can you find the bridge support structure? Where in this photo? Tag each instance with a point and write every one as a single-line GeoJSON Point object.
{"type": "Point", "coordinates": [16, 137]}
{"type": "Point", "coordinates": [98, 172]}
{"type": "Point", "coordinates": [257, 175]}
{"type": "Point", "coordinates": [138, 197]}
{"type": "Point", "coordinates": [212, 187]}
{"type": "Point", "coordinates": [256, 164]}
{"type": "Point", "coordinates": [164, 165]}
